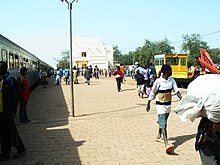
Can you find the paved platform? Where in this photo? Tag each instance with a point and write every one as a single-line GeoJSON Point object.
{"type": "Point", "coordinates": [110, 128]}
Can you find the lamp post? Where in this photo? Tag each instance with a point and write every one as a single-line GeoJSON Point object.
{"type": "Point", "coordinates": [71, 55]}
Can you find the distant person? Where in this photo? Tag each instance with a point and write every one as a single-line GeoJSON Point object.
{"type": "Point", "coordinates": [75, 75]}
{"type": "Point", "coordinates": [90, 68]}
{"type": "Point", "coordinates": [57, 77]}
{"type": "Point", "coordinates": [162, 89]}
{"type": "Point", "coordinates": [105, 72]}
{"type": "Point", "coordinates": [150, 77]}
{"type": "Point", "coordinates": [61, 75]}
{"type": "Point", "coordinates": [122, 69]}
{"type": "Point", "coordinates": [118, 76]}
{"type": "Point", "coordinates": [8, 107]}
{"type": "Point", "coordinates": [88, 75]}
{"type": "Point", "coordinates": [43, 76]}
{"type": "Point", "coordinates": [109, 72]}
{"type": "Point", "coordinates": [24, 95]}
{"type": "Point", "coordinates": [66, 75]}
{"type": "Point", "coordinates": [140, 83]}
{"type": "Point", "coordinates": [96, 72]}
{"type": "Point", "coordinates": [152, 73]}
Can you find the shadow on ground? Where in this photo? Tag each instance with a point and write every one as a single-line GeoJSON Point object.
{"type": "Point", "coordinates": [47, 138]}
{"type": "Point", "coordinates": [179, 140]}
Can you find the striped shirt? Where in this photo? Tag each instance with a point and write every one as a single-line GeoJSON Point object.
{"type": "Point", "coordinates": [162, 89]}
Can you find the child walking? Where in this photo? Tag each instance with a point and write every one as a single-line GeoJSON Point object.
{"type": "Point", "coordinates": [162, 88]}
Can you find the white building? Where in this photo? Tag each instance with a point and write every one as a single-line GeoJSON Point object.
{"type": "Point", "coordinates": [90, 51]}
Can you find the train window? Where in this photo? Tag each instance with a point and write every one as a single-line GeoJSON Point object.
{"type": "Point", "coordinates": [27, 63]}
{"type": "Point", "coordinates": [172, 61]}
{"type": "Point", "coordinates": [156, 62]}
{"type": "Point", "coordinates": [183, 61]}
{"type": "Point", "coordinates": [23, 62]}
{"type": "Point", "coordinates": [159, 61]}
{"type": "Point", "coordinates": [30, 64]}
{"type": "Point", "coordinates": [11, 61]}
{"type": "Point", "coordinates": [16, 61]}
{"type": "Point", "coordinates": [4, 55]}
{"type": "Point", "coordinates": [34, 65]}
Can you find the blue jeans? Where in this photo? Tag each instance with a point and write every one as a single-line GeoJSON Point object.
{"type": "Point", "coordinates": [162, 120]}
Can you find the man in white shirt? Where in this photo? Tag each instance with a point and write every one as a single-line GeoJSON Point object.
{"type": "Point", "coordinates": [162, 88]}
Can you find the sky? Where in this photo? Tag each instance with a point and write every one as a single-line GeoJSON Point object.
{"type": "Point", "coordinates": [42, 26]}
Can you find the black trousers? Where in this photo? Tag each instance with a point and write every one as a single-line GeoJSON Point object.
{"type": "Point", "coordinates": [118, 81]}
{"type": "Point", "coordinates": [9, 137]}
{"type": "Point", "coordinates": [23, 110]}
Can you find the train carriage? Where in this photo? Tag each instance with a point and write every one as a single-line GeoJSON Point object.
{"type": "Point", "coordinates": [17, 57]}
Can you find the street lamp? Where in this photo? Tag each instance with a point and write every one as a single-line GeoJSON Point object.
{"type": "Point", "coordinates": [71, 54]}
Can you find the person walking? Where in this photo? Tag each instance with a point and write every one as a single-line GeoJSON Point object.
{"type": "Point", "coordinates": [8, 107]}
{"type": "Point", "coordinates": [61, 75]}
{"type": "Point", "coordinates": [118, 76]}
{"type": "Point", "coordinates": [162, 88]}
{"type": "Point", "coordinates": [140, 83]}
{"type": "Point", "coordinates": [88, 75]}
{"type": "Point", "coordinates": [57, 77]}
{"type": "Point", "coordinates": [204, 102]}
{"type": "Point", "coordinates": [23, 94]}
{"type": "Point", "coordinates": [96, 72]}
{"type": "Point", "coordinates": [43, 78]}
{"type": "Point", "coordinates": [66, 75]}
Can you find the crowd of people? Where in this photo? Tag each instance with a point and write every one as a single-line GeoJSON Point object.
{"type": "Point", "coordinates": [63, 75]}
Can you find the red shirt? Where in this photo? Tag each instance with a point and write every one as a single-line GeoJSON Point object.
{"type": "Point", "coordinates": [119, 73]}
{"type": "Point", "coordinates": [25, 94]}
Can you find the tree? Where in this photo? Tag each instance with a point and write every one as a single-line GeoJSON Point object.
{"type": "Point", "coordinates": [145, 54]}
{"type": "Point", "coordinates": [164, 47]}
{"type": "Point", "coordinates": [64, 62]}
{"type": "Point", "coordinates": [126, 59]}
{"type": "Point", "coordinates": [215, 54]}
{"type": "Point", "coordinates": [191, 45]}
{"type": "Point", "coordinates": [116, 54]}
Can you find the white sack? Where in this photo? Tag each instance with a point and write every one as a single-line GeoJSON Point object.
{"type": "Point", "coordinates": [203, 98]}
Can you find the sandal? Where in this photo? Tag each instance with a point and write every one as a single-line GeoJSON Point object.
{"type": "Point", "coordinates": [160, 140]}
{"type": "Point", "coordinates": [169, 148]}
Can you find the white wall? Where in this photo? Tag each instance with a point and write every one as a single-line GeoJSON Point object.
{"type": "Point", "coordinates": [97, 53]}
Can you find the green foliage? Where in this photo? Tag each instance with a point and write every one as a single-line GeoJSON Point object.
{"type": "Point", "coordinates": [64, 62]}
{"type": "Point", "coordinates": [191, 45]}
{"type": "Point", "coordinates": [116, 54]}
{"type": "Point", "coordinates": [126, 59]}
{"type": "Point", "coordinates": [144, 54]}
{"type": "Point", "coordinates": [215, 54]}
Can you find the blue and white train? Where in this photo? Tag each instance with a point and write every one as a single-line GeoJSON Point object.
{"type": "Point", "coordinates": [18, 57]}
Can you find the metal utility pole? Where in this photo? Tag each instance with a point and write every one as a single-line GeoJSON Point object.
{"type": "Point", "coordinates": [71, 56]}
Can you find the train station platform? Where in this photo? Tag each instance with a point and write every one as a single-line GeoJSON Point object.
{"type": "Point", "coordinates": [109, 128]}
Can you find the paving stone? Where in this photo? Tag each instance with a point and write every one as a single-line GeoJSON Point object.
{"type": "Point", "coordinates": [109, 128]}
